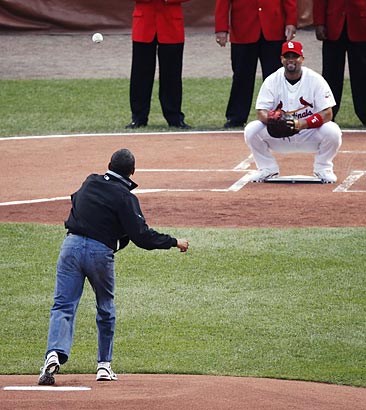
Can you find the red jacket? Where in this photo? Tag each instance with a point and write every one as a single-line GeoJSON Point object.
{"type": "Point", "coordinates": [245, 19]}
{"type": "Point", "coordinates": [161, 17]}
{"type": "Point", "coordinates": [334, 13]}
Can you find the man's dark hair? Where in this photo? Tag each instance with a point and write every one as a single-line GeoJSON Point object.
{"type": "Point", "coordinates": [122, 162]}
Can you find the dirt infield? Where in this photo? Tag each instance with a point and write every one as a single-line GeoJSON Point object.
{"type": "Point", "coordinates": [184, 180]}
{"type": "Point", "coordinates": [198, 180]}
{"type": "Point", "coordinates": [175, 392]}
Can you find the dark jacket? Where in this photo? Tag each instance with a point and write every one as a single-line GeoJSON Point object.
{"type": "Point", "coordinates": [104, 209]}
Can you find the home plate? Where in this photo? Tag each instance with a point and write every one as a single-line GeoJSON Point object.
{"type": "Point", "coordinates": [45, 388]}
{"type": "Point", "coordinates": [295, 179]}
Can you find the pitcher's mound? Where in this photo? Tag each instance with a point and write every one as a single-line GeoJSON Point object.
{"type": "Point", "coordinates": [177, 392]}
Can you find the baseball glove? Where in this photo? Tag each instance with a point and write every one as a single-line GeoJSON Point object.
{"type": "Point", "coordinates": [281, 125]}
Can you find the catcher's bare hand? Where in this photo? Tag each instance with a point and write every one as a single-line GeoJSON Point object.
{"type": "Point", "coordinates": [292, 122]}
{"type": "Point", "coordinates": [183, 245]}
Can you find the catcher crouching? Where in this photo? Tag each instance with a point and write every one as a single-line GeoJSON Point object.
{"type": "Point", "coordinates": [294, 108]}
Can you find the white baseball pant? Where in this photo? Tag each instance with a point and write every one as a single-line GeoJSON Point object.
{"type": "Point", "coordinates": [325, 141]}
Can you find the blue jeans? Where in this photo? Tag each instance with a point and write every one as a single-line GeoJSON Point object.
{"type": "Point", "coordinates": [81, 258]}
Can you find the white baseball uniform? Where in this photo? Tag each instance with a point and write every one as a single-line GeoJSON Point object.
{"type": "Point", "coordinates": [308, 96]}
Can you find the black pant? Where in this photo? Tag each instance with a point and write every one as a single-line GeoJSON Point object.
{"type": "Point", "coordinates": [334, 56]}
{"type": "Point", "coordinates": [244, 59]}
{"type": "Point", "coordinates": [143, 68]}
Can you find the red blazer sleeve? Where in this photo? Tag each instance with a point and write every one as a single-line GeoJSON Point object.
{"type": "Point", "coordinates": [245, 20]}
{"type": "Point", "coordinates": [334, 13]}
{"type": "Point", "coordinates": [319, 8]}
{"type": "Point", "coordinates": [158, 17]}
{"type": "Point", "coordinates": [166, 1]}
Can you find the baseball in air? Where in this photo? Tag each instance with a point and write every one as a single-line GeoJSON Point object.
{"type": "Point", "coordinates": [97, 38]}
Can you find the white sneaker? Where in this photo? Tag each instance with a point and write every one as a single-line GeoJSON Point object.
{"type": "Point", "coordinates": [50, 368]}
{"type": "Point", "coordinates": [105, 372]}
{"type": "Point", "coordinates": [262, 174]}
{"type": "Point", "coordinates": [327, 176]}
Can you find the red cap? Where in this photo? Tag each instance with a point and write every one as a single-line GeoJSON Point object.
{"type": "Point", "coordinates": [292, 47]}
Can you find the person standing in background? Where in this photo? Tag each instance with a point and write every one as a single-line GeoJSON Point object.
{"type": "Point", "coordinates": [257, 30]}
{"type": "Point", "coordinates": [341, 25]}
{"type": "Point", "coordinates": [157, 29]}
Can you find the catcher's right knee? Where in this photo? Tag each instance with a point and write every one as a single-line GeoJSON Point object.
{"type": "Point", "coordinates": [252, 129]}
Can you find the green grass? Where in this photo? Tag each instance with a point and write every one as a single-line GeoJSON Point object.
{"type": "Point", "coordinates": [39, 107]}
{"type": "Point", "coordinates": [276, 303]}
{"type": "Point", "coordinates": [249, 302]}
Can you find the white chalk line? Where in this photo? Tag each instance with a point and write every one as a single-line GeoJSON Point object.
{"type": "Point", "coordinates": [244, 165]}
{"type": "Point", "coordinates": [46, 388]}
{"type": "Point", "coordinates": [239, 184]}
{"type": "Point", "coordinates": [351, 152]}
{"type": "Point", "coordinates": [125, 134]}
{"type": "Point", "coordinates": [236, 169]}
{"type": "Point", "coordinates": [349, 181]}
{"type": "Point", "coordinates": [233, 188]}
{"type": "Point", "coordinates": [133, 134]}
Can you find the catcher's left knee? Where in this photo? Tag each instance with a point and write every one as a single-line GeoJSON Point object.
{"type": "Point", "coordinates": [331, 131]}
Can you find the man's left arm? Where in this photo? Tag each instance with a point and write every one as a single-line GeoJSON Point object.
{"type": "Point", "coordinates": [316, 120]}
{"type": "Point", "coordinates": [319, 18]}
{"type": "Point", "coordinates": [290, 7]}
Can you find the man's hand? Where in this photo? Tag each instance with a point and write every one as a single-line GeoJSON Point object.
{"type": "Point", "coordinates": [321, 33]}
{"type": "Point", "coordinates": [221, 38]}
{"type": "Point", "coordinates": [183, 245]}
{"type": "Point", "coordinates": [290, 32]}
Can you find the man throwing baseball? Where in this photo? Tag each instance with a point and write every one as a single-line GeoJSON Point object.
{"type": "Point", "coordinates": [104, 217]}
{"type": "Point", "coordinates": [301, 101]}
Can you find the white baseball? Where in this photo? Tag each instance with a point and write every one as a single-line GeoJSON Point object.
{"type": "Point", "coordinates": [97, 38]}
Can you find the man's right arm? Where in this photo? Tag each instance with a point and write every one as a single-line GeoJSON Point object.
{"type": "Point", "coordinates": [134, 224]}
{"type": "Point", "coordinates": [319, 19]}
{"type": "Point", "coordinates": [222, 16]}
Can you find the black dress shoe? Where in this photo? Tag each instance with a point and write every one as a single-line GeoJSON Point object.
{"type": "Point", "coordinates": [181, 124]}
{"type": "Point", "coordinates": [136, 124]}
{"type": "Point", "coordinates": [233, 124]}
